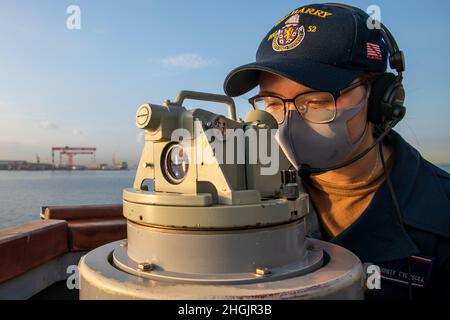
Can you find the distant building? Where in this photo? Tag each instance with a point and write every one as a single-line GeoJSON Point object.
{"type": "Point", "coordinates": [124, 165]}
{"type": "Point", "coordinates": [40, 166]}
{"type": "Point", "coordinates": [103, 166]}
{"type": "Point", "coordinates": [13, 165]}
{"type": "Point", "coordinates": [23, 165]}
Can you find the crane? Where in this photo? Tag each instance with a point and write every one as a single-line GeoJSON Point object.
{"type": "Point", "coordinates": [70, 153]}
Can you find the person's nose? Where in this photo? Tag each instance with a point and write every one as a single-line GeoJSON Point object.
{"type": "Point", "coordinates": [291, 106]}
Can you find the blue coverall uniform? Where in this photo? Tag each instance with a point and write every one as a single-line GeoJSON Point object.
{"type": "Point", "coordinates": [377, 237]}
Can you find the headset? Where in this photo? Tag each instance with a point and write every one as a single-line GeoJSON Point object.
{"type": "Point", "coordinates": [385, 109]}
{"type": "Point", "coordinates": [386, 101]}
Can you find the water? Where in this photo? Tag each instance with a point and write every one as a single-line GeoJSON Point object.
{"type": "Point", "coordinates": [23, 193]}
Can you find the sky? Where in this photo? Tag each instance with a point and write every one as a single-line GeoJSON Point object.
{"type": "Point", "coordinates": [82, 87]}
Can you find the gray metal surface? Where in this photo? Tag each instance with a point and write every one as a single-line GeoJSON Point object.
{"type": "Point", "coordinates": [265, 212]}
{"type": "Point", "coordinates": [167, 199]}
{"type": "Point", "coordinates": [340, 278]}
{"type": "Point", "coordinates": [312, 261]}
{"type": "Point", "coordinates": [217, 256]}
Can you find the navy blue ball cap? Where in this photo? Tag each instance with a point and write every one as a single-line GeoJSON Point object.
{"type": "Point", "coordinates": [321, 46]}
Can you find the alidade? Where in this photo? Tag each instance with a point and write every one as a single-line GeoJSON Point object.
{"type": "Point", "coordinates": [208, 216]}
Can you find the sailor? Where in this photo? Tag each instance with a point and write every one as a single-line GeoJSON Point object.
{"type": "Point", "coordinates": [321, 72]}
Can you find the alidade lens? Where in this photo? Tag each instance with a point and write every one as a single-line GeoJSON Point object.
{"type": "Point", "coordinates": [176, 163]}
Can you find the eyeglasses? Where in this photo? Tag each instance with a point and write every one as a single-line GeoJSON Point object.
{"type": "Point", "coordinates": [313, 106]}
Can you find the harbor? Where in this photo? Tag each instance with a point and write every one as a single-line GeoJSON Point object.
{"type": "Point", "coordinates": [69, 153]}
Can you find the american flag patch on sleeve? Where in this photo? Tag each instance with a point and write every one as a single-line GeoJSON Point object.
{"type": "Point", "coordinates": [374, 51]}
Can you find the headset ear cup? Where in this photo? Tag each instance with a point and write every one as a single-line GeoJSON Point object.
{"type": "Point", "coordinates": [395, 99]}
{"type": "Point", "coordinates": [377, 97]}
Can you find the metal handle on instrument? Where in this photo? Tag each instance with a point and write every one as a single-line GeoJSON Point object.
{"type": "Point", "coordinates": [202, 96]}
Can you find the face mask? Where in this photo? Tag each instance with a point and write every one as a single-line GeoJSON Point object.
{"type": "Point", "coordinates": [318, 145]}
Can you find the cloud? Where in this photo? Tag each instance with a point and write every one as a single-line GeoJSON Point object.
{"type": "Point", "coordinates": [189, 61]}
{"type": "Point", "coordinates": [47, 125]}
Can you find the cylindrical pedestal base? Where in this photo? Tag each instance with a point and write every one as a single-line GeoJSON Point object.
{"type": "Point", "coordinates": [341, 277]}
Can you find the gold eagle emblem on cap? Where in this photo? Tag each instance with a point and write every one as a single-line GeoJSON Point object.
{"type": "Point", "coordinates": [290, 35]}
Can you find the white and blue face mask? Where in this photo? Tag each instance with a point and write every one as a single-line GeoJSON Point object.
{"type": "Point", "coordinates": [319, 145]}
